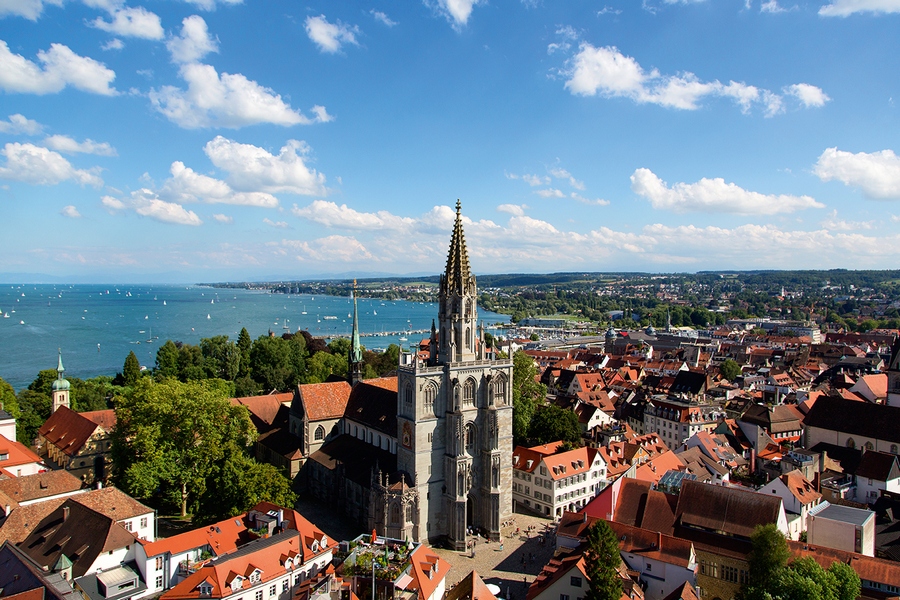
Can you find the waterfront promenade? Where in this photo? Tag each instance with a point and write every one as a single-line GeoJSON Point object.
{"type": "Point", "coordinates": [512, 568]}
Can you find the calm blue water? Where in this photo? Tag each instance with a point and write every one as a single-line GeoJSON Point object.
{"type": "Point", "coordinates": [96, 325]}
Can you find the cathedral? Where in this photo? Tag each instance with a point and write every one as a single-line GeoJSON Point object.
{"type": "Point", "coordinates": [428, 454]}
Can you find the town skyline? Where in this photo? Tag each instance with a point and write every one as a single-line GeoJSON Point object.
{"type": "Point", "coordinates": [226, 140]}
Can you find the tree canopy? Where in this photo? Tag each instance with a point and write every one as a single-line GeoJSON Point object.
{"type": "Point", "coordinates": [528, 394]}
{"type": "Point", "coordinates": [552, 423]}
{"type": "Point", "coordinates": [602, 560]}
{"type": "Point", "coordinates": [171, 436]}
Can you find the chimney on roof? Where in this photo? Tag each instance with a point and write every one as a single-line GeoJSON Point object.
{"type": "Point", "coordinates": [65, 513]}
{"type": "Point", "coordinates": [99, 485]}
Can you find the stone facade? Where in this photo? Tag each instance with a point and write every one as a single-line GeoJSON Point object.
{"type": "Point", "coordinates": [454, 418]}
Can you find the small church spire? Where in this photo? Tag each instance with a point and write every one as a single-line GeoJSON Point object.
{"type": "Point", "coordinates": [59, 390]}
{"type": "Point", "coordinates": [355, 357]}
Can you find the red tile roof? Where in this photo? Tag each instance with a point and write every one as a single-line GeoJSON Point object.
{"type": "Point", "coordinates": [427, 571]}
{"type": "Point", "coordinates": [325, 400]}
{"type": "Point", "coordinates": [37, 486]}
{"type": "Point", "coordinates": [265, 555]}
{"type": "Point", "coordinates": [67, 430]}
{"type": "Point", "coordinates": [104, 418]}
{"type": "Point", "coordinates": [17, 454]}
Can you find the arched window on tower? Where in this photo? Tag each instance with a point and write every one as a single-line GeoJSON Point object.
{"type": "Point", "coordinates": [395, 514]}
{"type": "Point", "coordinates": [500, 390]}
{"type": "Point", "coordinates": [408, 399]}
{"type": "Point", "coordinates": [320, 433]}
{"type": "Point", "coordinates": [430, 395]}
{"type": "Point", "coordinates": [469, 393]}
{"type": "Point", "coordinates": [851, 443]}
{"type": "Point", "coordinates": [470, 438]}
{"type": "Point", "coordinates": [410, 513]}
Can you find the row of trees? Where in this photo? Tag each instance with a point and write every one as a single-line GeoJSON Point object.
{"type": "Point", "coordinates": [267, 363]}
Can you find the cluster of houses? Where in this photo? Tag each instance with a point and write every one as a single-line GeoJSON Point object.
{"type": "Point", "coordinates": [683, 463]}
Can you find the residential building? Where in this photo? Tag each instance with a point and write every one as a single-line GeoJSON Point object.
{"type": "Point", "coordinates": [799, 497]}
{"type": "Point", "coordinates": [853, 424]}
{"type": "Point", "coordinates": [23, 579]}
{"type": "Point", "coordinates": [78, 442]}
{"type": "Point", "coordinates": [268, 568]}
{"type": "Point", "coordinates": [167, 562]}
{"type": "Point", "coordinates": [559, 481]}
{"type": "Point", "coordinates": [677, 420]}
{"type": "Point", "coordinates": [17, 460]}
{"type": "Point", "coordinates": [843, 528]}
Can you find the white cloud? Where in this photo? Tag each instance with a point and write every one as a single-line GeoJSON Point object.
{"type": "Point", "coordinates": [456, 11]}
{"type": "Point", "coordinates": [61, 68]}
{"type": "Point", "coordinates": [330, 36]}
{"type": "Point", "coordinates": [113, 44]}
{"type": "Point", "coordinates": [845, 8]}
{"type": "Point", "coordinates": [808, 95]}
{"type": "Point", "coordinates": [714, 195]}
{"type": "Point", "coordinates": [186, 185]}
{"type": "Point", "coordinates": [832, 223]}
{"type": "Point", "coordinates": [251, 168]}
{"type": "Point", "coordinates": [71, 212]}
{"type": "Point", "coordinates": [550, 193]}
{"type": "Point", "coordinates": [146, 203]}
{"type": "Point", "coordinates": [111, 203]}
{"type": "Point", "coordinates": [63, 143]}
{"type": "Point", "coordinates": [132, 22]}
{"type": "Point", "coordinates": [18, 124]}
{"type": "Point", "coordinates": [382, 18]}
{"type": "Point", "coordinates": [276, 224]}
{"type": "Point", "coordinates": [608, 10]}
{"type": "Point", "coordinates": [513, 209]}
{"type": "Point", "coordinates": [530, 179]}
{"type": "Point", "coordinates": [771, 7]}
{"type": "Point", "coordinates": [211, 4]}
{"type": "Point", "coordinates": [876, 173]}
{"type": "Point", "coordinates": [223, 218]}
{"type": "Point", "coordinates": [226, 101]}
{"type": "Point", "coordinates": [559, 173]}
{"type": "Point", "coordinates": [583, 200]}
{"type": "Point", "coordinates": [606, 72]}
{"type": "Point", "coordinates": [334, 248]}
{"type": "Point", "coordinates": [29, 9]}
{"type": "Point", "coordinates": [40, 166]}
{"type": "Point", "coordinates": [330, 214]}
{"type": "Point", "coordinates": [194, 42]}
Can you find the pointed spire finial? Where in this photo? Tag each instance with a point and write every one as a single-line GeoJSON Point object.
{"type": "Point", "coordinates": [59, 366]}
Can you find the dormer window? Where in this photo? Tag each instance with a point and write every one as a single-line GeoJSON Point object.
{"type": "Point", "coordinates": [315, 546]}
{"type": "Point", "coordinates": [324, 542]}
{"type": "Point", "coordinates": [256, 576]}
{"type": "Point", "coordinates": [237, 583]}
{"type": "Point", "coordinates": [205, 589]}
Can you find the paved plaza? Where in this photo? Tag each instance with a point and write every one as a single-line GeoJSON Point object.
{"type": "Point", "coordinates": [512, 568]}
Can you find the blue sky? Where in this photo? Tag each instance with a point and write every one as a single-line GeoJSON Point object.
{"type": "Point", "coordinates": [206, 140]}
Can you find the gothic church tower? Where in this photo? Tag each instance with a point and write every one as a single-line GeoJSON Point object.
{"type": "Point", "coordinates": [454, 417]}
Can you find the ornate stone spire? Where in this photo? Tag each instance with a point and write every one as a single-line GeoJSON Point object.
{"type": "Point", "coordinates": [59, 389]}
{"type": "Point", "coordinates": [457, 272]}
{"type": "Point", "coordinates": [458, 311]}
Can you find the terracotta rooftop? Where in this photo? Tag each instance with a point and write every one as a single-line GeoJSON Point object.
{"type": "Point", "coordinates": [470, 587]}
{"type": "Point", "coordinates": [16, 454]}
{"type": "Point", "coordinates": [324, 400]}
{"type": "Point", "coordinates": [723, 509]}
{"type": "Point", "coordinates": [68, 430]}
{"type": "Point", "coordinates": [804, 491]}
{"type": "Point", "coordinates": [40, 485]}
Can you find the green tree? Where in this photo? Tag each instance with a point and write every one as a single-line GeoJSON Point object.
{"type": "Point", "coordinates": [528, 394]}
{"type": "Point", "coordinates": [730, 369]}
{"type": "Point", "coordinates": [274, 364]}
{"type": "Point", "coordinates": [34, 409]}
{"type": "Point", "coordinates": [190, 363]}
{"type": "Point", "coordinates": [602, 560]}
{"type": "Point", "coordinates": [221, 357]}
{"type": "Point", "coordinates": [167, 360]}
{"type": "Point", "coordinates": [244, 344]}
{"type": "Point", "coordinates": [131, 370]}
{"type": "Point", "coordinates": [44, 381]}
{"type": "Point", "coordinates": [324, 364]}
{"type": "Point", "coordinates": [847, 582]}
{"type": "Point", "coordinates": [552, 423]}
{"type": "Point", "coordinates": [769, 554]}
{"type": "Point", "coordinates": [94, 393]}
{"type": "Point", "coordinates": [238, 484]}
{"type": "Point", "coordinates": [171, 436]}
{"type": "Point", "coordinates": [8, 401]}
